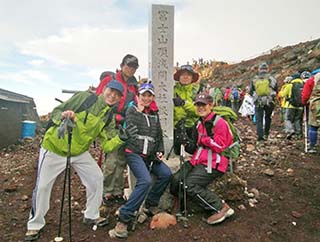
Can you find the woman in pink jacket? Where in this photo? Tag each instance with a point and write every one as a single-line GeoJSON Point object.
{"type": "Point", "coordinates": [211, 136]}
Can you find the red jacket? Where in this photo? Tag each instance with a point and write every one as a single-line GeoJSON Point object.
{"type": "Point", "coordinates": [307, 89]}
{"type": "Point", "coordinates": [222, 138]}
{"type": "Point", "coordinates": [129, 94]}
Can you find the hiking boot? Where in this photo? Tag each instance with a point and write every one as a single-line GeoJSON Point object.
{"type": "Point", "coordinates": [289, 136]}
{"type": "Point", "coordinates": [100, 222]}
{"type": "Point", "coordinates": [219, 217]}
{"type": "Point", "coordinates": [110, 199]}
{"type": "Point", "coordinates": [32, 235]}
{"type": "Point", "coordinates": [119, 231]}
{"type": "Point", "coordinates": [312, 149]}
{"type": "Point", "coordinates": [153, 210]}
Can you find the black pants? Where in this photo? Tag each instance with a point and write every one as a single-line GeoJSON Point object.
{"type": "Point", "coordinates": [197, 181]}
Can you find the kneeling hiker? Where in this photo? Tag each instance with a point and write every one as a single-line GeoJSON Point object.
{"type": "Point", "coordinates": [207, 162]}
{"type": "Point", "coordinates": [144, 155]}
{"type": "Point", "coordinates": [89, 124]}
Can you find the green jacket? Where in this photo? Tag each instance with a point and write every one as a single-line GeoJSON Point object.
{"type": "Point", "coordinates": [286, 93]}
{"type": "Point", "coordinates": [84, 133]}
{"type": "Point", "coordinates": [188, 110]}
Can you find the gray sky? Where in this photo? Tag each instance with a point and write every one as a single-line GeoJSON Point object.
{"type": "Point", "coordinates": [46, 46]}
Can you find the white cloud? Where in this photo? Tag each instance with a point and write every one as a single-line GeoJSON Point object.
{"type": "Point", "coordinates": [37, 62]}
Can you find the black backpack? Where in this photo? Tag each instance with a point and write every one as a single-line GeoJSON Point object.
{"type": "Point", "coordinates": [87, 103]}
{"type": "Point", "coordinates": [296, 91]}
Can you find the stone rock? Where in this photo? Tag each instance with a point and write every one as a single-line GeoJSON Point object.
{"type": "Point", "coordinates": [24, 198]}
{"type": "Point", "coordinates": [268, 172]}
{"type": "Point", "coordinates": [162, 221]}
{"type": "Point", "coordinates": [255, 192]}
{"type": "Point", "coordinates": [296, 214]}
{"type": "Point", "coordinates": [230, 187]}
{"type": "Point", "coordinates": [250, 147]}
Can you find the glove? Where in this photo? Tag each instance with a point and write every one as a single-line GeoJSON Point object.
{"type": "Point", "coordinates": [178, 101]}
{"type": "Point", "coordinates": [131, 132]}
{"type": "Point", "coordinates": [119, 119]}
{"type": "Point", "coordinates": [66, 126]}
{"type": "Point", "coordinates": [206, 140]}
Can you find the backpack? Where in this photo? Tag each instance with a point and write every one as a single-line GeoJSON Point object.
{"type": "Point", "coordinates": [87, 103]}
{"type": "Point", "coordinates": [314, 103]}
{"type": "Point", "coordinates": [233, 151]}
{"type": "Point", "coordinates": [235, 94]}
{"type": "Point", "coordinates": [295, 99]}
{"type": "Point", "coordinates": [262, 87]}
{"type": "Point", "coordinates": [227, 95]}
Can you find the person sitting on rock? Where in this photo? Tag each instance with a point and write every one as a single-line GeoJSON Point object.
{"type": "Point", "coordinates": [211, 136]}
{"type": "Point", "coordinates": [144, 156]}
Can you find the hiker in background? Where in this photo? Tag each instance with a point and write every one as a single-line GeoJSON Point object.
{"type": "Point", "coordinates": [247, 107]}
{"type": "Point", "coordinates": [115, 165]}
{"type": "Point", "coordinates": [227, 97]}
{"type": "Point", "coordinates": [282, 100]}
{"type": "Point", "coordinates": [263, 89]}
{"type": "Point", "coordinates": [305, 75]}
{"type": "Point", "coordinates": [185, 90]}
{"type": "Point", "coordinates": [311, 96]}
{"type": "Point", "coordinates": [89, 124]}
{"type": "Point", "coordinates": [144, 155]}
{"type": "Point", "coordinates": [293, 106]}
{"type": "Point", "coordinates": [217, 96]}
{"type": "Point", "coordinates": [211, 136]}
{"type": "Point", "coordinates": [235, 99]}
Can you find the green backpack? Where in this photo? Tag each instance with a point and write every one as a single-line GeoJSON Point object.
{"type": "Point", "coordinates": [262, 87]}
{"type": "Point", "coordinates": [233, 151]}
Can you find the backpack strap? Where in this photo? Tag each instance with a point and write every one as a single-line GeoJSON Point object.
{"type": "Point", "coordinates": [88, 102]}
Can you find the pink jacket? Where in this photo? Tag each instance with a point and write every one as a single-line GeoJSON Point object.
{"type": "Point", "coordinates": [222, 138]}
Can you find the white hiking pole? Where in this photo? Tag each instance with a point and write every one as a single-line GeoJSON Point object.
{"type": "Point", "coordinates": [305, 129]}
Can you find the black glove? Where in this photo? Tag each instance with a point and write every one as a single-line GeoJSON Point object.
{"type": "Point", "coordinates": [178, 101]}
{"type": "Point", "coordinates": [131, 132]}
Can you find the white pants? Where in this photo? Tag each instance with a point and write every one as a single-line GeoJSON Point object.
{"type": "Point", "coordinates": [50, 165]}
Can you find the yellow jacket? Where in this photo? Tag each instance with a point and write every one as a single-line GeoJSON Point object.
{"type": "Point", "coordinates": [286, 93]}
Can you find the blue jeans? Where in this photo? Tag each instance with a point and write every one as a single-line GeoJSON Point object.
{"type": "Point", "coordinates": [140, 169]}
{"type": "Point", "coordinates": [313, 135]}
{"type": "Point", "coordinates": [263, 113]}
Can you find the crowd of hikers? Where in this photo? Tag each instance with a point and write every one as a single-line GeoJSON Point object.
{"type": "Point", "coordinates": [123, 115]}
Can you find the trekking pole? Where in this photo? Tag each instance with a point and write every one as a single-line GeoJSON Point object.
{"type": "Point", "coordinates": [66, 126]}
{"type": "Point", "coordinates": [185, 211]}
{"type": "Point", "coordinates": [305, 129]}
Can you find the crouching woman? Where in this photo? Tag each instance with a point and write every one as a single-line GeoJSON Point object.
{"type": "Point", "coordinates": [144, 156]}
{"type": "Point", "coordinates": [211, 136]}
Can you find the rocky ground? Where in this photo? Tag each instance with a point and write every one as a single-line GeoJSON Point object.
{"type": "Point", "coordinates": [274, 190]}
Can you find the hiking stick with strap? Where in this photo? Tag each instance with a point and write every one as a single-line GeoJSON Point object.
{"type": "Point", "coordinates": [66, 126]}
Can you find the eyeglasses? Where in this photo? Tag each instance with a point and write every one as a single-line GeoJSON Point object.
{"type": "Point", "coordinates": [186, 67]}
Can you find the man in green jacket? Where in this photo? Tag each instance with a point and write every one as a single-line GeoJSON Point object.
{"type": "Point", "coordinates": [89, 125]}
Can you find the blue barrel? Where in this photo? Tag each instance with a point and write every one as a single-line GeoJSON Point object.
{"type": "Point", "coordinates": [28, 129]}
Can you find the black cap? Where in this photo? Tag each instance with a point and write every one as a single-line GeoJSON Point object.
{"type": "Point", "coordinates": [130, 60]}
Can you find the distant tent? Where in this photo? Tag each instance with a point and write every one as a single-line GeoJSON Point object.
{"type": "Point", "coordinates": [14, 108]}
